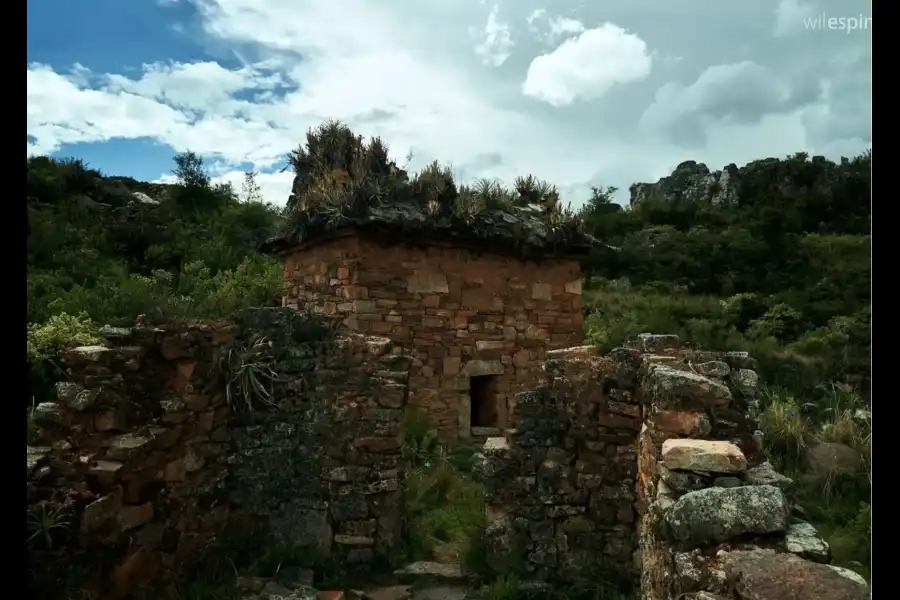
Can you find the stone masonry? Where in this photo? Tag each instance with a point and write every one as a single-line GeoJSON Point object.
{"type": "Point", "coordinates": [650, 459]}
{"type": "Point", "coordinates": [142, 462]}
{"type": "Point", "coordinates": [477, 324]}
{"type": "Point", "coordinates": [561, 486]}
{"type": "Point", "coordinates": [717, 521]}
{"type": "Point", "coordinates": [643, 465]}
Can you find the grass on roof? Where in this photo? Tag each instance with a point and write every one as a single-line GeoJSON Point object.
{"type": "Point", "coordinates": [342, 179]}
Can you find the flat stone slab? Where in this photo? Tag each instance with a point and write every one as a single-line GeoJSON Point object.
{"type": "Point", "coordinates": [425, 572]}
{"type": "Point", "coordinates": [495, 444]}
{"type": "Point", "coordinates": [703, 455]}
{"type": "Point", "coordinates": [803, 540]}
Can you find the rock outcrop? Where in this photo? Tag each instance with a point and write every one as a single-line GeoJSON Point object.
{"type": "Point", "coordinates": [693, 183]}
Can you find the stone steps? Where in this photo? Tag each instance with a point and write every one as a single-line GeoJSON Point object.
{"type": "Point", "coordinates": [485, 432]}
{"type": "Point", "coordinates": [425, 573]}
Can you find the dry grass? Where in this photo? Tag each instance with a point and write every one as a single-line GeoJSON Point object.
{"type": "Point", "coordinates": [837, 501]}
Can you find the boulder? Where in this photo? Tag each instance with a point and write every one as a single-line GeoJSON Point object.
{"type": "Point", "coordinates": [767, 575]}
{"type": "Point", "coordinates": [718, 514]}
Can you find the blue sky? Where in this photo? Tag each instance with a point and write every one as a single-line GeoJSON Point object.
{"type": "Point", "coordinates": [110, 36]}
{"type": "Point", "coordinates": [579, 93]}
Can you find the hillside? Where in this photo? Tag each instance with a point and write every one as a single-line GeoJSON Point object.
{"type": "Point", "coordinates": [772, 257]}
{"type": "Point", "coordinates": [114, 248]}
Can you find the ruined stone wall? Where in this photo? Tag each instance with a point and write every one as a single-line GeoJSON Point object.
{"type": "Point", "coordinates": [143, 459]}
{"type": "Point", "coordinates": [561, 485]}
{"type": "Point", "coordinates": [460, 313]}
{"type": "Point", "coordinates": [647, 463]}
{"type": "Point", "coordinates": [717, 522]}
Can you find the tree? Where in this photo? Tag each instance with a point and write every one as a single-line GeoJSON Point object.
{"type": "Point", "coordinates": [195, 190]}
{"type": "Point", "coordinates": [250, 190]}
{"type": "Point", "coordinates": [189, 170]}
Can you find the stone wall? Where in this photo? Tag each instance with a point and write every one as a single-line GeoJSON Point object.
{"type": "Point", "coordinates": [649, 460]}
{"type": "Point", "coordinates": [561, 485]}
{"type": "Point", "coordinates": [146, 456]}
{"type": "Point", "coordinates": [460, 313]}
{"type": "Point", "coordinates": [717, 521]}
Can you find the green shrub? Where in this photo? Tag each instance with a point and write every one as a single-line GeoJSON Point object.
{"type": "Point", "coordinates": [444, 505]}
{"type": "Point", "coordinates": [60, 332]}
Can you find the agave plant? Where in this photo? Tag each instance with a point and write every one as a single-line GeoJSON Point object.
{"type": "Point", "coordinates": [42, 522]}
{"type": "Point", "coordinates": [248, 373]}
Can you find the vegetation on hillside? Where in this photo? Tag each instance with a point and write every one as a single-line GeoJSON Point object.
{"type": "Point", "coordinates": [112, 248]}
{"type": "Point", "coordinates": [104, 250]}
{"type": "Point", "coordinates": [784, 272]}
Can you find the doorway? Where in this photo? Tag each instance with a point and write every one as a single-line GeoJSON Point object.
{"type": "Point", "coordinates": [483, 401]}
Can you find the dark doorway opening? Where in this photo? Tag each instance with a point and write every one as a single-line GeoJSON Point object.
{"type": "Point", "coordinates": [483, 401]}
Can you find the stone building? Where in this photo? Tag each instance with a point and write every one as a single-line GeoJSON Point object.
{"type": "Point", "coordinates": [478, 308]}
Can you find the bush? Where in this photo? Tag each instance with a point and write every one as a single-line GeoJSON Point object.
{"type": "Point", "coordinates": [615, 312]}
{"type": "Point", "coordinates": [60, 332]}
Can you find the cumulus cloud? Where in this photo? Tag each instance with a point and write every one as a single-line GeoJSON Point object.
{"type": "Point", "coordinates": [587, 66]}
{"type": "Point", "coordinates": [201, 86]}
{"type": "Point", "coordinates": [738, 93]}
{"type": "Point", "coordinates": [89, 115]}
{"type": "Point", "coordinates": [575, 104]}
{"type": "Point", "coordinates": [178, 104]}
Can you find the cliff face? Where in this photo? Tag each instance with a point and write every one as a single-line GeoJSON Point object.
{"type": "Point", "coordinates": [693, 182]}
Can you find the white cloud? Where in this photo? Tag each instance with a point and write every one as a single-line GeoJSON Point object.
{"type": "Point", "coordinates": [563, 26]}
{"type": "Point", "coordinates": [534, 15]}
{"type": "Point", "coordinates": [273, 187]}
{"type": "Point", "coordinates": [791, 16]}
{"type": "Point", "coordinates": [62, 110]}
{"type": "Point", "coordinates": [406, 70]}
{"type": "Point", "coordinates": [186, 106]}
{"type": "Point", "coordinates": [495, 39]}
{"type": "Point", "coordinates": [551, 30]}
{"type": "Point", "coordinates": [587, 66]}
{"type": "Point", "coordinates": [204, 86]}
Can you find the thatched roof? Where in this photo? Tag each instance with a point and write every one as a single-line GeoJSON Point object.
{"type": "Point", "coordinates": [344, 184]}
{"type": "Point", "coordinates": [521, 231]}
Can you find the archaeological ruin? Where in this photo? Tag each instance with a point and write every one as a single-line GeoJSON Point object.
{"type": "Point", "coordinates": [283, 428]}
{"type": "Point", "coordinates": [644, 463]}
